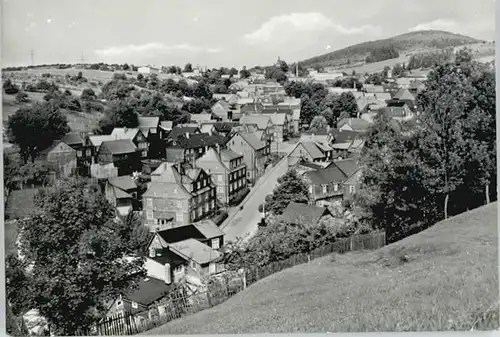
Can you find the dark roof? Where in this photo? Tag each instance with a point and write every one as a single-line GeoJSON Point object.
{"type": "Point", "coordinates": [331, 174]}
{"type": "Point", "coordinates": [125, 183]}
{"type": "Point", "coordinates": [312, 149]}
{"type": "Point", "coordinates": [149, 290]}
{"type": "Point", "coordinates": [357, 124]}
{"type": "Point", "coordinates": [21, 203]}
{"type": "Point", "coordinates": [199, 231]}
{"type": "Point", "coordinates": [119, 146]}
{"type": "Point", "coordinates": [197, 140]}
{"type": "Point", "coordinates": [348, 166]}
{"type": "Point", "coordinates": [224, 126]}
{"type": "Point", "coordinates": [396, 103]}
{"type": "Point", "coordinates": [195, 250]}
{"type": "Point", "coordinates": [344, 136]}
{"type": "Point", "coordinates": [176, 132]}
{"type": "Point", "coordinates": [303, 214]}
{"type": "Point", "coordinates": [73, 138]}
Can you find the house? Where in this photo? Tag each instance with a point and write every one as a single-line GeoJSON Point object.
{"type": "Point", "coordinates": [200, 118]}
{"type": "Point", "coordinates": [94, 142]}
{"type": "Point", "coordinates": [399, 110]}
{"type": "Point", "coordinates": [228, 172]}
{"type": "Point", "coordinates": [135, 135]}
{"type": "Point", "coordinates": [353, 124]}
{"type": "Point", "coordinates": [83, 151]}
{"type": "Point", "coordinates": [103, 171]}
{"type": "Point", "coordinates": [166, 127]}
{"type": "Point", "coordinates": [312, 151]}
{"type": "Point", "coordinates": [404, 95]}
{"type": "Point", "coordinates": [248, 106]}
{"type": "Point", "coordinates": [192, 146]}
{"type": "Point", "coordinates": [184, 256]}
{"type": "Point", "coordinates": [178, 194]}
{"type": "Point", "coordinates": [281, 126]}
{"type": "Point", "coordinates": [179, 131]}
{"type": "Point", "coordinates": [255, 153]}
{"type": "Point", "coordinates": [320, 136]}
{"type": "Point", "coordinates": [147, 70]}
{"type": "Point", "coordinates": [140, 301]}
{"type": "Point", "coordinates": [293, 104]}
{"type": "Point", "coordinates": [325, 185]}
{"type": "Point", "coordinates": [229, 98]}
{"type": "Point", "coordinates": [60, 158]}
{"type": "Point", "coordinates": [416, 87]}
{"type": "Point", "coordinates": [309, 215]}
{"type": "Point", "coordinates": [205, 231]}
{"type": "Point", "coordinates": [263, 122]}
{"type": "Point", "coordinates": [354, 174]}
{"type": "Point", "coordinates": [121, 193]}
{"type": "Point", "coordinates": [224, 128]}
{"type": "Point", "coordinates": [301, 165]}
{"type": "Point", "coordinates": [372, 88]}
{"type": "Point", "coordinates": [150, 128]}
{"type": "Point", "coordinates": [122, 154]}
{"type": "Point", "coordinates": [207, 127]}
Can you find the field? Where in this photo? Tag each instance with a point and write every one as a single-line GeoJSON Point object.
{"type": "Point", "coordinates": [444, 278]}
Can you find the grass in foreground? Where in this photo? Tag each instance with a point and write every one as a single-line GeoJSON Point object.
{"type": "Point", "coordinates": [444, 278]}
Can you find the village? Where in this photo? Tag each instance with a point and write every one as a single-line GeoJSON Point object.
{"type": "Point", "coordinates": [198, 185]}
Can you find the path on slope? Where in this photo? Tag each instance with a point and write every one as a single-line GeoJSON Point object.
{"type": "Point", "coordinates": [244, 222]}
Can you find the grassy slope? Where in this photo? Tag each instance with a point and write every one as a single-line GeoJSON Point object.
{"type": "Point", "coordinates": [450, 277]}
{"type": "Point", "coordinates": [409, 42]}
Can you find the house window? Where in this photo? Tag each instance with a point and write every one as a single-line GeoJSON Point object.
{"type": "Point", "coordinates": [193, 215]}
{"type": "Point", "coordinates": [149, 202]}
{"type": "Point", "coordinates": [335, 187]}
{"type": "Point", "coordinates": [351, 189]}
{"type": "Point", "coordinates": [144, 153]}
{"type": "Point", "coordinates": [215, 243]}
{"type": "Point", "coordinates": [79, 153]}
{"type": "Point", "coordinates": [324, 189]}
{"type": "Point", "coordinates": [135, 305]}
{"type": "Point", "coordinates": [179, 217]}
{"type": "Point", "coordinates": [310, 189]}
{"type": "Point", "coordinates": [200, 211]}
{"type": "Point", "coordinates": [179, 203]}
{"type": "Point", "coordinates": [88, 153]}
{"type": "Point", "coordinates": [212, 204]}
{"type": "Point", "coordinates": [119, 304]}
{"type": "Point", "coordinates": [149, 215]}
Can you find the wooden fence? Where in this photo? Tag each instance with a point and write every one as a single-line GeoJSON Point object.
{"type": "Point", "coordinates": [172, 308]}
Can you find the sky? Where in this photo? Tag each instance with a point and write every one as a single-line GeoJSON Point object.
{"type": "Point", "coordinates": [219, 33]}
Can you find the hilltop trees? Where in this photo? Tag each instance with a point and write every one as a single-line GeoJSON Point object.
{"type": "Point", "coordinates": [382, 53]}
{"type": "Point", "coordinates": [79, 261]}
{"type": "Point", "coordinates": [34, 128]}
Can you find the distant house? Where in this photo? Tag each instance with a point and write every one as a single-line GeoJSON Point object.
{"type": "Point", "coordinates": [372, 88]}
{"type": "Point", "coordinates": [301, 165]}
{"type": "Point", "coordinates": [166, 127]}
{"type": "Point", "coordinates": [121, 193]}
{"type": "Point", "coordinates": [148, 70]}
{"type": "Point", "coordinates": [200, 118]}
{"type": "Point", "coordinates": [325, 185]}
{"type": "Point", "coordinates": [255, 153]}
{"type": "Point", "coordinates": [294, 104]}
{"type": "Point", "coordinates": [321, 137]}
{"type": "Point", "coordinates": [248, 106]}
{"type": "Point", "coordinates": [399, 110]}
{"type": "Point", "coordinates": [94, 142]}
{"type": "Point", "coordinates": [263, 122]}
{"type": "Point", "coordinates": [228, 172]}
{"type": "Point", "coordinates": [60, 158]}
{"type": "Point", "coordinates": [180, 131]}
{"type": "Point", "coordinates": [281, 126]}
{"type": "Point", "coordinates": [192, 146]}
{"type": "Point", "coordinates": [346, 142]}
{"type": "Point", "coordinates": [178, 194]}
{"type": "Point", "coordinates": [404, 95]}
{"type": "Point", "coordinates": [136, 136]}
{"type": "Point", "coordinates": [353, 171]}
{"type": "Point", "coordinates": [84, 152]}
{"type": "Point", "coordinates": [312, 151]}
{"type": "Point", "coordinates": [122, 154]}
{"type": "Point", "coordinates": [224, 128]}
{"type": "Point", "coordinates": [309, 215]}
{"type": "Point", "coordinates": [230, 98]}
{"type": "Point", "coordinates": [353, 124]}
{"type": "Point", "coordinates": [153, 132]}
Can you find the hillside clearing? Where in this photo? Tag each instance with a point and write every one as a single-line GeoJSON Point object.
{"type": "Point", "coordinates": [440, 279]}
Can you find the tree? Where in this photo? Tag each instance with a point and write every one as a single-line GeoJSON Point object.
{"type": "Point", "coordinates": [291, 188]}
{"type": "Point", "coordinates": [244, 73]}
{"type": "Point", "coordinates": [319, 124]}
{"type": "Point", "coordinates": [80, 260]}
{"type": "Point", "coordinates": [17, 285]}
{"type": "Point", "coordinates": [283, 66]}
{"type": "Point", "coordinates": [188, 68]}
{"type": "Point", "coordinates": [328, 115]}
{"type": "Point", "coordinates": [120, 114]}
{"type": "Point", "coordinates": [233, 71]}
{"type": "Point", "coordinates": [21, 97]}
{"type": "Point", "coordinates": [34, 128]}
{"type": "Point", "coordinates": [88, 95]}
{"type": "Point", "coordinates": [140, 77]}
{"type": "Point", "coordinates": [125, 67]}
{"type": "Point", "coordinates": [309, 110]}
{"type": "Point", "coordinates": [444, 105]}
{"type": "Point", "coordinates": [202, 90]}
{"type": "Point", "coordinates": [34, 173]}
{"type": "Point", "coordinates": [397, 70]}
{"type": "Point", "coordinates": [133, 233]}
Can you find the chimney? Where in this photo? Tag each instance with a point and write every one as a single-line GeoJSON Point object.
{"type": "Point", "coordinates": [187, 135]}
{"type": "Point", "coordinates": [168, 278]}
{"type": "Point", "coordinates": [152, 252]}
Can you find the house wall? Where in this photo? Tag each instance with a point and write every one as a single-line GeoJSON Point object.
{"type": "Point", "coordinates": [62, 161]}
{"type": "Point", "coordinates": [346, 127]}
{"type": "Point", "coordinates": [219, 111]}
{"type": "Point", "coordinates": [300, 151]}
{"type": "Point", "coordinates": [109, 194]}
{"type": "Point", "coordinates": [352, 184]}
{"type": "Point", "coordinates": [153, 206]}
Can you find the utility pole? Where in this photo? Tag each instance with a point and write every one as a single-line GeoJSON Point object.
{"type": "Point", "coordinates": [32, 55]}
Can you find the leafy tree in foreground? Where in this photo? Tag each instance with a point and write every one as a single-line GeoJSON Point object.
{"type": "Point", "coordinates": [79, 258]}
{"type": "Point", "coordinates": [17, 285]}
{"type": "Point", "coordinates": [34, 128]}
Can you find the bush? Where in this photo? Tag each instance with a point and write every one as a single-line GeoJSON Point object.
{"type": "Point", "coordinates": [21, 97]}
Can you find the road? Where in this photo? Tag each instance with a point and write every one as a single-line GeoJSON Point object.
{"type": "Point", "coordinates": [244, 222]}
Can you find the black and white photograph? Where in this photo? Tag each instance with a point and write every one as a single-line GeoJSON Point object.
{"type": "Point", "coordinates": [212, 167]}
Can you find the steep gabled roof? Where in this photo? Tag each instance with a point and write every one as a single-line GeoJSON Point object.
{"type": "Point", "coordinates": [125, 183]}
{"type": "Point", "coordinates": [348, 166]}
{"type": "Point", "coordinates": [148, 291]}
{"type": "Point", "coordinates": [120, 146]}
{"type": "Point", "coordinates": [329, 175]}
{"type": "Point", "coordinates": [178, 131]}
{"type": "Point", "coordinates": [296, 213]}
{"type": "Point", "coordinates": [312, 149]}
{"type": "Point", "coordinates": [73, 138]}
{"type": "Point", "coordinates": [357, 124]}
{"type": "Point", "coordinates": [55, 144]}
{"type": "Point", "coordinates": [197, 140]}
{"type": "Point", "coordinates": [98, 140]}
{"type": "Point", "coordinates": [277, 118]}
{"type": "Point", "coordinates": [148, 122]}
{"type": "Point", "coordinates": [262, 121]}
{"type": "Point", "coordinates": [124, 133]}
{"type": "Point", "coordinates": [344, 136]}
{"type": "Point", "coordinates": [253, 141]}
{"type": "Point", "coordinates": [404, 94]}
{"type": "Point", "coordinates": [228, 155]}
